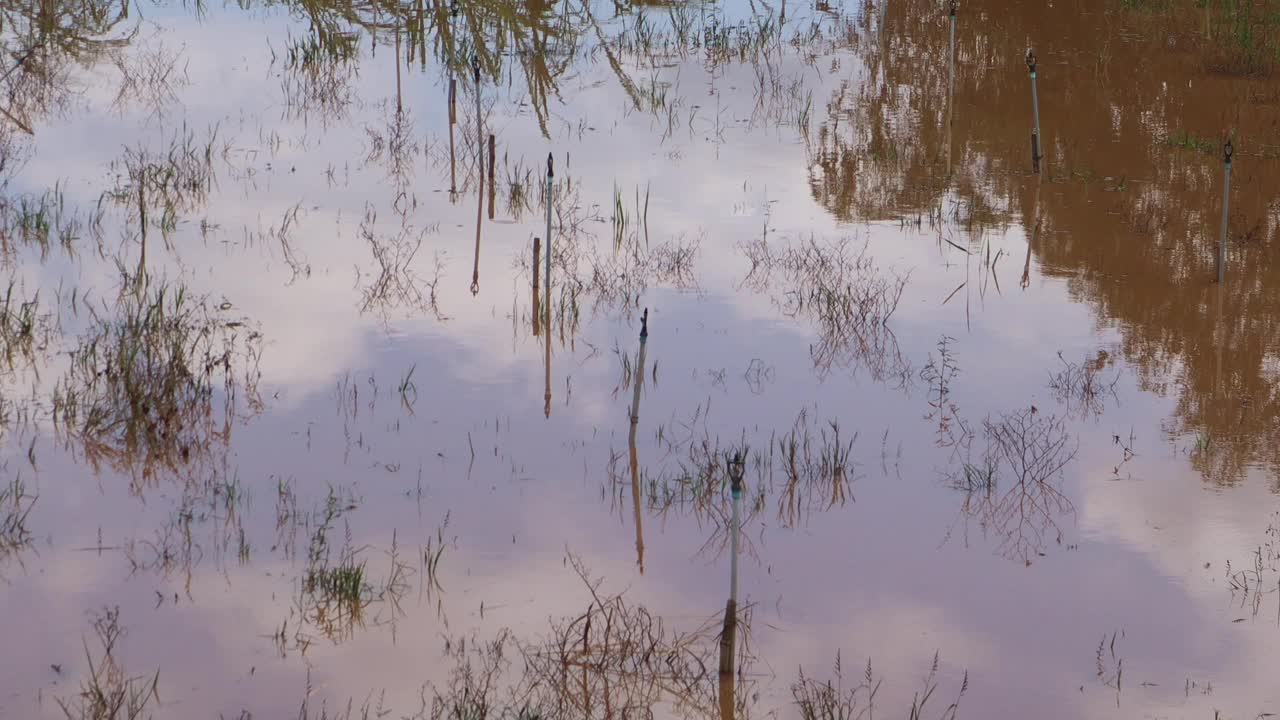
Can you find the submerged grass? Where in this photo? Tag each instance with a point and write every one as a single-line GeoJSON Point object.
{"type": "Point", "coordinates": [618, 659]}
{"type": "Point", "coordinates": [801, 470]}
{"type": "Point", "coordinates": [1241, 37]}
{"type": "Point", "coordinates": [1245, 36]}
{"type": "Point", "coordinates": [341, 587]}
{"type": "Point", "coordinates": [1084, 387]}
{"type": "Point", "coordinates": [1259, 578]}
{"type": "Point", "coordinates": [1186, 140]}
{"type": "Point", "coordinates": [43, 220]}
{"type": "Point", "coordinates": [336, 591]}
{"type": "Point", "coordinates": [165, 184]}
{"type": "Point", "coordinates": [839, 287]}
{"type": "Point", "coordinates": [15, 506]}
{"type": "Point", "coordinates": [139, 392]}
{"type": "Point", "coordinates": [833, 699]}
{"type": "Point", "coordinates": [23, 329]}
{"type": "Point", "coordinates": [319, 75]}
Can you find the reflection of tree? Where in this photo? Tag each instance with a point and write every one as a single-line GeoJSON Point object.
{"type": "Point", "coordinates": [319, 77]}
{"type": "Point", "coordinates": [1128, 207]}
{"type": "Point", "coordinates": [43, 39]}
{"type": "Point", "coordinates": [880, 145]}
{"type": "Point", "coordinates": [543, 40]}
{"type": "Point", "coordinates": [536, 35]}
{"type": "Point", "coordinates": [540, 37]}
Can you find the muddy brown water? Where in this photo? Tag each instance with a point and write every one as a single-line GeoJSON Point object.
{"type": "Point", "coordinates": [292, 421]}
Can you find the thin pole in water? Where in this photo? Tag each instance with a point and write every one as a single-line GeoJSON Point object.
{"type": "Point", "coordinates": [1031, 238]}
{"type": "Point", "coordinates": [1227, 151]}
{"type": "Point", "coordinates": [1035, 108]}
{"type": "Point", "coordinates": [551, 172]}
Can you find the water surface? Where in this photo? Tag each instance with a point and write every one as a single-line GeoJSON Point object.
{"type": "Point", "coordinates": [1005, 436]}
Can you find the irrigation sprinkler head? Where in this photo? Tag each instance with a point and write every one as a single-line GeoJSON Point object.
{"type": "Point", "coordinates": [1031, 60]}
{"type": "Point", "coordinates": [644, 325]}
{"type": "Point", "coordinates": [1227, 151]}
{"type": "Point", "coordinates": [953, 8]}
{"type": "Point", "coordinates": [735, 474]}
{"type": "Point", "coordinates": [551, 172]}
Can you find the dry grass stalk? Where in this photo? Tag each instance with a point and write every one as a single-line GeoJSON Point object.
{"type": "Point", "coordinates": [108, 693]}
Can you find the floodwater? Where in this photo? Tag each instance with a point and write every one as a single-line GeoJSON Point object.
{"type": "Point", "coordinates": [299, 419]}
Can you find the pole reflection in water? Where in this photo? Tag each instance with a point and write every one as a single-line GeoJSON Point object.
{"type": "Point", "coordinates": [537, 260]}
{"type": "Point", "coordinates": [1035, 109]}
{"type": "Point", "coordinates": [546, 336]}
{"type": "Point", "coordinates": [399, 94]}
{"type": "Point", "coordinates": [475, 272]}
{"type": "Point", "coordinates": [951, 87]}
{"type": "Point", "coordinates": [492, 185]}
{"type": "Point", "coordinates": [1031, 238]}
{"type": "Point", "coordinates": [1218, 341]}
{"type": "Point", "coordinates": [728, 637]}
{"type": "Point", "coordinates": [726, 696]}
{"type": "Point", "coordinates": [546, 330]}
{"type": "Point", "coordinates": [453, 118]}
{"type": "Point", "coordinates": [631, 439]}
{"type": "Point", "coordinates": [1226, 204]}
